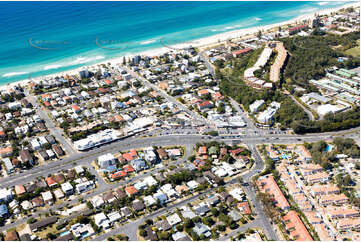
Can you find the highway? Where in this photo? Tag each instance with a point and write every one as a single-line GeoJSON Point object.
{"type": "Point", "coordinates": [84, 158]}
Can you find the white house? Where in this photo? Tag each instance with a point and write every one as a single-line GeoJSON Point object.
{"type": "Point", "coordinates": [6, 195]}
{"type": "Point", "coordinates": [192, 184]}
{"type": "Point", "coordinates": [101, 220]}
{"type": "Point", "coordinates": [114, 216]}
{"type": "Point", "coordinates": [97, 201]}
{"type": "Point", "coordinates": [149, 200]}
{"type": "Point", "coordinates": [106, 160]}
{"type": "Point", "coordinates": [150, 181]}
{"type": "Point", "coordinates": [173, 219]}
{"type": "Point", "coordinates": [67, 188]}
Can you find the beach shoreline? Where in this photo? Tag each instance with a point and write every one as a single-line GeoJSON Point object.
{"type": "Point", "coordinates": [198, 43]}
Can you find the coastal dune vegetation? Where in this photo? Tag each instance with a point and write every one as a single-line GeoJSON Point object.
{"type": "Point", "coordinates": [310, 57]}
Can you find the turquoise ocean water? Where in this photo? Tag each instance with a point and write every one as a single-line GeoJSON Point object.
{"type": "Point", "coordinates": [41, 38]}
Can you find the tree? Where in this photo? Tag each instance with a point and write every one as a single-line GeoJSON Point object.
{"type": "Point", "coordinates": [221, 228]}
{"type": "Point", "coordinates": [149, 221]}
{"type": "Point", "coordinates": [142, 232]}
{"type": "Point", "coordinates": [214, 212]}
{"type": "Point", "coordinates": [196, 219]}
{"type": "Point", "coordinates": [188, 223]}
{"type": "Point", "coordinates": [123, 237]}
{"type": "Point", "coordinates": [89, 205]}
{"type": "Point", "coordinates": [208, 221]}
{"type": "Point", "coordinates": [50, 236]}
{"type": "Point", "coordinates": [31, 220]}
{"type": "Point", "coordinates": [164, 235]}
{"type": "Point", "coordinates": [179, 227]}
{"type": "Point", "coordinates": [259, 34]}
{"type": "Point", "coordinates": [233, 225]}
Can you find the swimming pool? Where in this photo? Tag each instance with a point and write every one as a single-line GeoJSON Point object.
{"type": "Point", "coordinates": [329, 148]}
{"type": "Point", "coordinates": [64, 233]}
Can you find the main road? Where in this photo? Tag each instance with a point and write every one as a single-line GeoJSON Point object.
{"type": "Point", "coordinates": [84, 158]}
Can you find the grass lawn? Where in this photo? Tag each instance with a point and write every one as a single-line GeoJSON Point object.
{"type": "Point", "coordinates": [50, 229]}
{"type": "Point", "coordinates": [354, 51]}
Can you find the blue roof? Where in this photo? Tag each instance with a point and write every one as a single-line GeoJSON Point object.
{"type": "Point", "coordinates": [111, 168]}
{"type": "Point", "coordinates": [3, 210]}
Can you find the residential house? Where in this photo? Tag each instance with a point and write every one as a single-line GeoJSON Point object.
{"type": "Point", "coordinates": [37, 202]}
{"type": "Point", "coordinates": [202, 230]}
{"type": "Point", "coordinates": [173, 219]}
{"type": "Point", "coordinates": [6, 195]}
{"type": "Point", "coordinates": [130, 190]}
{"type": "Point", "coordinates": [19, 190]}
{"type": "Point", "coordinates": [47, 197]}
{"type": "Point", "coordinates": [42, 223]}
{"type": "Point", "coordinates": [138, 164]}
{"type": "Point", "coordinates": [101, 220]}
{"type": "Point", "coordinates": [11, 235]}
{"type": "Point", "coordinates": [67, 188]}
{"type": "Point", "coordinates": [138, 205]}
{"type": "Point", "coordinates": [163, 225]}
{"type": "Point", "coordinates": [4, 212]}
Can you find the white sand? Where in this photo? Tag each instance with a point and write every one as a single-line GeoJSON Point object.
{"type": "Point", "coordinates": [201, 43]}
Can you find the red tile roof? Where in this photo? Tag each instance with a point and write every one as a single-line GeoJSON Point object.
{"type": "Point", "coordinates": [236, 151]}
{"type": "Point", "coordinates": [238, 52]}
{"type": "Point", "coordinates": [244, 208]}
{"type": "Point", "coordinates": [109, 82]}
{"type": "Point", "coordinates": [50, 181]}
{"type": "Point", "coordinates": [128, 168]}
{"type": "Point", "coordinates": [19, 189]}
{"type": "Point", "coordinates": [75, 107]}
{"type": "Point", "coordinates": [299, 232]}
{"type": "Point", "coordinates": [297, 28]}
{"type": "Point", "coordinates": [268, 185]}
{"type": "Point", "coordinates": [118, 174]}
{"type": "Point", "coordinates": [202, 150]}
{"type": "Point", "coordinates": [130, 190]}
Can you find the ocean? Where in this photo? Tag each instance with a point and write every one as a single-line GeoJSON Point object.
{"type": "Point", "coordinates": [41, 38]}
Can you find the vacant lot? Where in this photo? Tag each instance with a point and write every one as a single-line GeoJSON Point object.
{"type": "Point", "coordinates": [355, 51]}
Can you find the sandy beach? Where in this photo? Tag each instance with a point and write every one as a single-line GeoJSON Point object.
{"type": "Point", "coordinates": [199, 43]}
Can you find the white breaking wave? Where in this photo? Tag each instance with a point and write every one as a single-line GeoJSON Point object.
{"type": "Point", "coordinates": [10, 74]}
{"type": "Point", "coordinates": [147, 42]}
{"type": "Point", "coordinates": [308, 10]}
{"type": "Point", "coordinates": [330, 3]}
{"type": "Point", "coordinates": [49, 67]}
{"type": "Point", "coordinates": [82, 60]}
{"type": "Point", "coordinates": [258, 19]}
{"type": "Point", "coordinates": [323, 3]}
